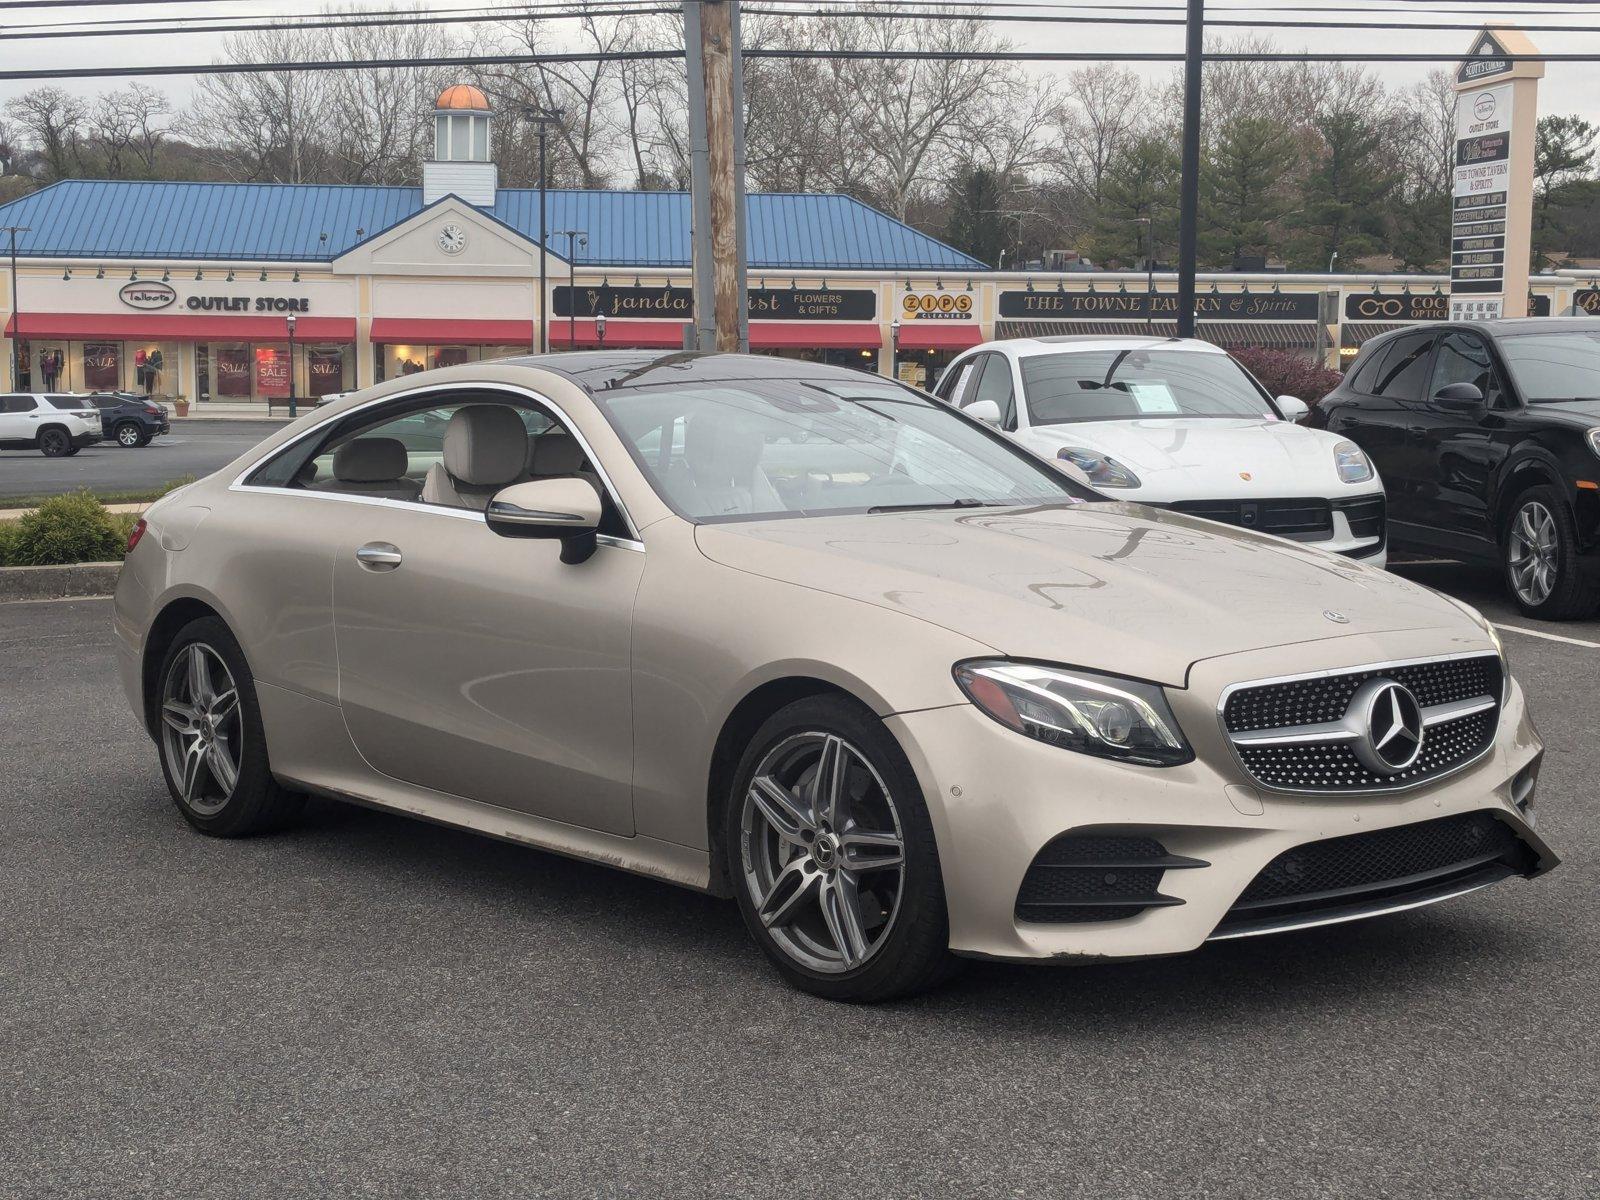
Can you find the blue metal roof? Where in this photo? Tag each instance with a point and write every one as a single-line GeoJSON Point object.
{"type": "Point", "coordinates": [271, 222]}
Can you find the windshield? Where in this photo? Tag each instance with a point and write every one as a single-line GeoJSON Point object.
{"type": "Point", "coordinates": [1554, 366]}
{"type": "Point", "coordinates": [1137, 384]}
{"type": "Point", "coordinates": [770, 448]}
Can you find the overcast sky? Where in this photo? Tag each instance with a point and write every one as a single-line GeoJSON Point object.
{"type": "Point", "coordinates": [1567, 87]}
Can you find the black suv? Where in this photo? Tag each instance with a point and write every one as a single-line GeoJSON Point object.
{"type": "Point", "coordinates": [1487, 437]}
{"type": "Point", "coordinates": [130, 420]}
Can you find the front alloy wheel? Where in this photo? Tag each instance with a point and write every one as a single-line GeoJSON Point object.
{"type": "Point", "coordinates": [1542, 565]}
{"type": "Point", "coordinates": [831, 854]}
{"type": "Point", "coordinates": [823, 855]}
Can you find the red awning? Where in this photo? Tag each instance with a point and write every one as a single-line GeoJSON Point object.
{"type": "Point", "coordinates": [813, 335]}
{"type": "Point", "coordinates": [388, 330]}
{"type": "Point", "coordinates": [940, 335]}
{"type": "Point", "coordinates": [620, 335]}
{"type": "Point", "coordinates": [181, 327]}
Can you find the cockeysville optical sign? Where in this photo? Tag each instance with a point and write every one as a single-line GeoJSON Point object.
{"type": "Point", "coordinates": [148, 297]}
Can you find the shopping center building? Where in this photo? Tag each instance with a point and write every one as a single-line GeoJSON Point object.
{"type": "Point", "coordinates": [241, 292]}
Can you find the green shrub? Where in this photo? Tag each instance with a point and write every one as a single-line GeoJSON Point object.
{"type": "Point", "coordinates": [8, 537]}
{"type": "Point", "coordinates": [65, 529]}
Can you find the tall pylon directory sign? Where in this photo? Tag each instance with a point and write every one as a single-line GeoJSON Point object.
{"type": "Point", "coordinates": [1497, 111]}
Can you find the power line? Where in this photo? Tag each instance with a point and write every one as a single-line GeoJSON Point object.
{"type": "Point", "coordinates": [168, 30]}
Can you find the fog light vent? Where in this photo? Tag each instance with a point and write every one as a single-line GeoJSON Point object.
{"type": "Point", "coordinates": [1088, 877]}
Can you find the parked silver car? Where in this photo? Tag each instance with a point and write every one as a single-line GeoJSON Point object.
{"type": "Point", "coordinates": [807, 638]}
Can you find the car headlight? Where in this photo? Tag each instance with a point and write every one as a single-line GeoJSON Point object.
{"type": "Point", "coordinates": [1104, 715]}
{"type": "Point", "coordinates": [1353, 464]}
{"type": "Point", "coordinates": [1102, 469]}
{"type": "Point", "coordinates": [1594, 439]}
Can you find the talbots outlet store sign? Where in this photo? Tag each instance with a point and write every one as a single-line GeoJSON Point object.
{"type": "Point", "coordinates": [151, 297]}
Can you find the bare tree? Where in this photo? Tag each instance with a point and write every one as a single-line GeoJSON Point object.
{"type": "Point", "coordinates": [1096, 120]}
{"type": "Point", "coordinates": [54, 123]}
{"type": "Point", "coordinates": [128, 130]}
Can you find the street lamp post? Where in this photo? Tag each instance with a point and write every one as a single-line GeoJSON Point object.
{"type": "Point", "coordinates": [894, 348]}
{"type": "Point", "coordinates": [542, 121]}
{"type": "Point", "coordinates": [293, 411]}
{"type": "Point", "coordinates": [16, 308]}
{"type": "Point", "coordinates": [575, 237]}
{"type": "Point", "coordinates": [1149, 269]}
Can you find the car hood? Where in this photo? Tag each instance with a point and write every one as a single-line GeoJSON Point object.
{"type": "Point", "coordinates": [1208, 457]}
{"type": "Point", "coordinates": [1586, 412]}
{"type": "Point", "coordinates": [1119, 587]}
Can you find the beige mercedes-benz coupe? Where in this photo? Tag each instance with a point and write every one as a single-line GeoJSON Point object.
{"type": "Point", "coordinates": [801, 636]}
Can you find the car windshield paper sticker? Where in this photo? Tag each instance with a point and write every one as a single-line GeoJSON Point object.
{"type": "Point", "coordinates": [1154, 397]}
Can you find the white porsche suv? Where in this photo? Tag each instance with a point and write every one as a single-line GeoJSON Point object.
{"type": "Point", "coordinates": [1177, 423]}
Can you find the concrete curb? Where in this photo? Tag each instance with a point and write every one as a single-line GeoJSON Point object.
{"type": "Point", "coordinates": [58, 583]}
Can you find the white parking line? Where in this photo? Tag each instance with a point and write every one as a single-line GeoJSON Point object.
{"type": "Point", "coordinates": [1549, 637]}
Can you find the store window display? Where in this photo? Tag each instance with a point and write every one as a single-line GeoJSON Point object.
{"type": "Point", "coordinates": [153, 368]}
{"type": "Point", "coordinates": [397, 360]}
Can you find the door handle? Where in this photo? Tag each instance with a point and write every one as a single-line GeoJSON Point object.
{"type": "Point", "coordinates": [379, 556]}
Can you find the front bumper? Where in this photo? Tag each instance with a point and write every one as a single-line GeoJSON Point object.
{"type": "Point", "coordinates": [997, 799]}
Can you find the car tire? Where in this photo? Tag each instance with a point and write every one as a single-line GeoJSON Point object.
{"type": "Point", "coordinates": [55, 443]}
{"type": "Point", "coordinates": [129, 434]}
{"type": "Point", "coordinates": [214, 754]}
{"type": "Point", "coordinates": [824, 881]}
{"type": "Point", "coordinates": [145, 439]}
{"type": "Point", "coordinates": [1539, 550]}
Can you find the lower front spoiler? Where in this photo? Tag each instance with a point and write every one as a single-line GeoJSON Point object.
{"type": "Point", "coordinates": [1397, 900]}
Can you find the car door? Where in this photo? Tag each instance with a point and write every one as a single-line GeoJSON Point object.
{"type": "Point", "coordinates": [1460, 453]}
{"type": "Point", "coordinates": [483, 666]}
{"type": "Point", "coordinates": [14, 423]}
{"type": "Point", "coordinates": [1381, 416]}
{"type": "Point", "coordinates": [994, 382]}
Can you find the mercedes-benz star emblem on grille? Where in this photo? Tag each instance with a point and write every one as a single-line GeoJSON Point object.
{"type": "Point", "coordinates": [1390, 721]}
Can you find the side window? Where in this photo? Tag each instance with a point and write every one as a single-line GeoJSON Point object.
{"type": "Point", "coordinates": [67, 403]}
{"type": "Point", "coordinates": [1404, 368]}
{"type": "Point", "coordinates": [398, 453]}
{"type": "Point", "coordinates": [1465, 358]}
{"type": "Point", "coordinates": [17, 404]}
{"type": "Point", "coordinates": [1367, 367]}
{"type": "Point", "coordinates": [955, 383]}
{"type": "Point", "coordinates": [996, 384]}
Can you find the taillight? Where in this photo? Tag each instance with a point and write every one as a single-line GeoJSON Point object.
{"type": "Point", "coordinates": [135, 534]}
{"type": "Point", "coordinates": [152, 410]}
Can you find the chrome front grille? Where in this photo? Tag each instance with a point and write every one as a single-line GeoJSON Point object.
{"type": "Point", "coordinates": [1322, 733]}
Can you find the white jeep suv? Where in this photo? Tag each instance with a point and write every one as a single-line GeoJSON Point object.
{"type": "Point", "coordinates": [52, 423]}
{"type": "Point", "coordinates": [1178, 423]}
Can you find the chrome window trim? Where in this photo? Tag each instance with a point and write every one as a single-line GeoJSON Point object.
{"type": "Point", "coordinates": [238, 483]}
{"type": "Point", "coordinates": [1334, 672]}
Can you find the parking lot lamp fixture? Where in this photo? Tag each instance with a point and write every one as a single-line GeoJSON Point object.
{"type": "Point", "coordinates": [289, 321]}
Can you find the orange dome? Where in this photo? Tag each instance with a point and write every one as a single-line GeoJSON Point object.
{"type": "Point", "coordinates": [463, 96]}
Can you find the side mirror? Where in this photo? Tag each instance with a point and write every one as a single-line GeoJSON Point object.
{"type": "Point", "coordinates": [568, 509]}
{"type": "Point", "coordinates": [1463, 398]}
{"type": "Point", "coordinates": [1292, 407]}
{"type": "Point", "coordinates": [986, 411]}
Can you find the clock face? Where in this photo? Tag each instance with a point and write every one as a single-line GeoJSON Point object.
{"type": "Point", "coordinates": [452, 238]}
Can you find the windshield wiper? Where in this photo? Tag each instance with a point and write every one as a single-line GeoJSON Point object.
{"type": "Point", "coordinates": [964, 503]}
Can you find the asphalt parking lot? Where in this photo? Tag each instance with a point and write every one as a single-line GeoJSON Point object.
{"type": "Point", "coordinates": [192, 448]}
{"type": "Point", "coordinates": [374, 1006]}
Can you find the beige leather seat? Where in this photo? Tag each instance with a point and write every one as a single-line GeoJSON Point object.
{"type": "Point", "coordinates": [556, 454]}
{"type": "Point", "coordinates": [485, 448]}
{"type": "Point", "coordinates": [372, 466]}
{"type": "Point", "coordinates": [721, 473]}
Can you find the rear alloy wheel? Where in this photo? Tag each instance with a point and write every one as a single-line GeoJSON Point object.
{"type": "Point", "coordinates": [130, 435]}
{"type": "Point", "coordinates": [213, 749]}
{"type": "Point", "coordinates": [54, 443]}
{"type": "Point", "coordinates": [833, 858]}
{"type": "Point", "coordinates": [1541, 561]}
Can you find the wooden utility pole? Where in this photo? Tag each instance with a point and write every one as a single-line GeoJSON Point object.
{"type": "Point", "coordinates": [716, 136]}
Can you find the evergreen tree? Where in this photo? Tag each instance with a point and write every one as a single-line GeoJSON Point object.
{"type": "Point", "coordinates": [976, 203]}
{"type": "Point", "coordinates": [1563, 148]}
{"type": "Point", "coordinates": [1347, 193]}
{"type": "Point", "coordinates": [1242, 187]}
{"type": "Point", "coordinates": [1141, 184]}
